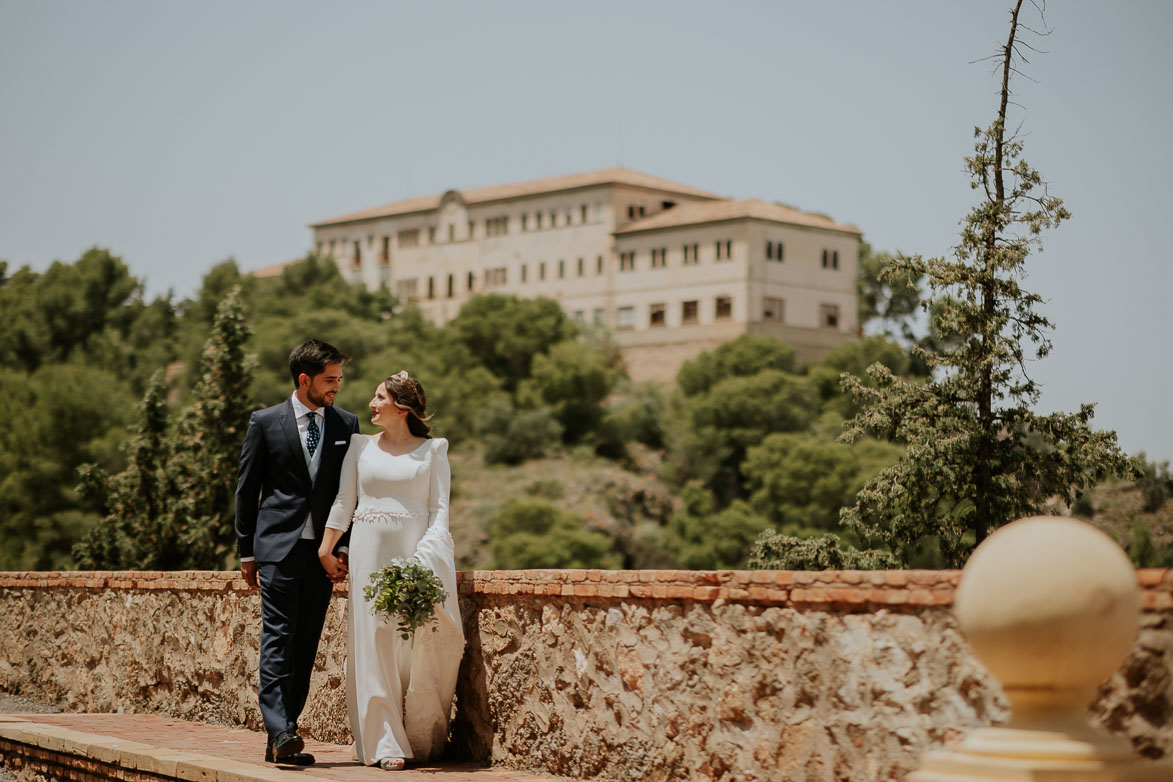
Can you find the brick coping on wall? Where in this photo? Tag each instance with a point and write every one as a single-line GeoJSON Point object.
{"type": "Point", "coordinates": [847, 588]}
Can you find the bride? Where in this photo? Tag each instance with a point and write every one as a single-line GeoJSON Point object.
{"type": "Point", "coordinates": [394, 489]}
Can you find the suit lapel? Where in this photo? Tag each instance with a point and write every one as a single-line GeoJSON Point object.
{"type": "Point", "coordinates": [330, 431]}
{"type": "Point", "coordinates": [293, 440]}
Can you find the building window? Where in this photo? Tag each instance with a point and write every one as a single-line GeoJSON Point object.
{"type": "Point", "coordinates": [542, 270]}
{"type": "Point", "coordinates": [724, 249]}
{"type": "Point", "coordinates": [431, 287]}
{"type": "Point", "coordinates": [495, 276]}
{"type": "Point", "coordinates": [471, 229]}
{"type": "Point", "coordinates": [829, 316]}
{"type": "Point", "coordinates": [724, 308]}
{"type": "Point", "coordinates": [569, 215]}
{"type": "Point", "coordinates": [598, 211]}
{"type": "Point", "coordinates": [641, 210]}
{"type": "Point", "coordinates": [431, 234]}
{"type": "Point", "coordinates": [553, 218]}
{"type": "Point", "coordinates": [409, 238]}
{"type": "Point", "coordinates": [834, 259]}
{"type": "Point", "coordinates": [688, 312]}
{"type": "Point", "coordinates": [830, 259]}
{"type": "Point", "coordinates": [599, 265]}
{"type": "Point", "coordinates": [496, 226]}
{"type": "Point", "coordinates": [405, 289]}
{"type": "Point", "coordinates": [385, 257]}
{"type": "Point", "coordinates": [320, 246]}
{"type": "Point", "coordinates": [627, 261]}
{"type": "Point", "coordinates": [451, 232]}
{"type": "Point", "coordinates": [580, 267]}
{"type": "Point", "coordinates": [584, 213]}
{"type": "Point", "coordinates": [631, 211]}
{"type": "Point", "coordinates": [356, 260]}
{"type": "Point", "coordinates": [580, 317]}
{"type": "Point", "coordinates": [538, 220]}
{"type": "Point", "coordinates": [523, 272]}
{"type": "Point", "coordinates": [451, 286]}
{"type": "Point", "coordinates": [625, 318]}
{"type": "Point", "coordinates": [524, 220]}
{"type": "Point", "coordinates": [331, 247]}
{"type": "Point", "coordinates": [370, 240]}
{"type": "Point", "coordinates": [659, 257]}
{"type": "Point", "coordinates": [692, 254]}
{"type": "Point", "coordinates": [561, 269]}
{"type": "Point", "coordinates": [598, 316]}
{"type": "Point", "coordinates": [471, 280]}
{"type": "Point", "coordinates": [656, 315]}
{"type": "Point", "coordinates": [772, 309]}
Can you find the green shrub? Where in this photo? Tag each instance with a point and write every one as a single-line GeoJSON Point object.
{"type": "Point", "coordinates": [511, 436]}
{"type": "Point", "coordinates": [533, 533]}
{"type": "Point", "coordinates": [774, 551]}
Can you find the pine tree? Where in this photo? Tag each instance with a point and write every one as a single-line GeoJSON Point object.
{"type": "Point", "coordinates": [172, 508]}
{"type": "Point", "coordinates": [206, 446]}
{"type": "Point", "coordinates": [978, 456]}
{"type": "Point", "coordinates": [129, 536]}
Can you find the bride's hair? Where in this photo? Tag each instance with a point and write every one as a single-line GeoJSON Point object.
{"type": "Point", "coordinates": [407, 394]}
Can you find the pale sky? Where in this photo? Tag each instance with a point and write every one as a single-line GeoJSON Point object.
{"type": "Point", "coordinates": [178, 135]}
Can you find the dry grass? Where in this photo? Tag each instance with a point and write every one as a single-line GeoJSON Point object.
{"type": "Point", "coordinates": [1120, 505]}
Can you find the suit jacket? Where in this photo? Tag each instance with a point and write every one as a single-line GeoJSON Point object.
{"type": "Point", "coordinates": [274, 492]}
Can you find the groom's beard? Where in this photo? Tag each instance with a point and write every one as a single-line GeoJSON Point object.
{"type": "Point", "coordinates": [321, 400]}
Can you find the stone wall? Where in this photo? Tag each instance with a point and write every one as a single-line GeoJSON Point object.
{"type": "Point", "coordinates": [656, 675]}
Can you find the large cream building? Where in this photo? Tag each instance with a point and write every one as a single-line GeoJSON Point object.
{"type": "Point", "coordinates": [671, 270]}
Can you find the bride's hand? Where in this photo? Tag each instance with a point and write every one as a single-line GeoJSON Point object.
{"type": "Point", "coordinates": [334, 571]}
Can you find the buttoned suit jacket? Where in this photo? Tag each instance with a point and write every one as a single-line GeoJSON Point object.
{"type": "Point", "coordinates": [274, 491]}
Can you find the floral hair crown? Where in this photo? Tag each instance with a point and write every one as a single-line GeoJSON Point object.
{"type": "Point", "coordinates": [401, 375]}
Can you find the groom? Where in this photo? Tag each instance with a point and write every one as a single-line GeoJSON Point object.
{"type": "Point", "coordinates": [289, 467]}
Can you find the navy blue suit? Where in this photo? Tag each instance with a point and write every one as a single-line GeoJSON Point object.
{"type": "Point", "coordinates": [274, 495]}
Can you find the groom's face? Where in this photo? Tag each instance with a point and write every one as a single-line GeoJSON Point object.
{"type": "Point", "coordinates": [322, 388]}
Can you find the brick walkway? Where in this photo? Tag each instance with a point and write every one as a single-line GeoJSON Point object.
{"type": "Point", "coordinates": [167, 747]}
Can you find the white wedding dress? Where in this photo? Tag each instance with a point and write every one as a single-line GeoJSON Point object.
{"type": "Point", "coordinates": [399, 693]}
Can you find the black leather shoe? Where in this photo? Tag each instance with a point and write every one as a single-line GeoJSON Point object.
{"type": "Point", "coordinates": [287, 748]}
{"type": "Point", "coordinates": [296, 759]}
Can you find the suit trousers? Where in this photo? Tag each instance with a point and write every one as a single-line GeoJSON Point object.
{"type": "Point", "coordinates": [295, 595]}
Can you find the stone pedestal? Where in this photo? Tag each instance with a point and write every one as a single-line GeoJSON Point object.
{"type": "Point", "coordinates": [1050, 606]}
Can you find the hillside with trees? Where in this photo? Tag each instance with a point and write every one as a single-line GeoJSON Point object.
{"type": "Point", "coordinates": [127, 415]}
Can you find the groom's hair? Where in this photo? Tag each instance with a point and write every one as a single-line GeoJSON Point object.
{"type": "Point", "coordinates": [311, 358]}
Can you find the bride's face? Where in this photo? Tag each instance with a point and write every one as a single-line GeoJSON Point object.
{"type": "Point", "coordinates": [383, 409]}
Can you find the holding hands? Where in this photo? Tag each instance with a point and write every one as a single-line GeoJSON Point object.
{"type": "Point", "coordinates": [335, 566]}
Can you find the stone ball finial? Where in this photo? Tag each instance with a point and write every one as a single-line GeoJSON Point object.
{"type": "Point", "coordinates": [1051, 606]}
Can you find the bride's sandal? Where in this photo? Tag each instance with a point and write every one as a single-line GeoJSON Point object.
{"type": "Point", "coordinates": [392, 764]}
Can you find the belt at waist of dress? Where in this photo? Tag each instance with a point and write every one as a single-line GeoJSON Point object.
{"type": "Point", "coordinates": [388, 516]}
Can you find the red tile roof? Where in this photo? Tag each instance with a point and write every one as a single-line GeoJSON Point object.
{"type": "Point", "coordinates": [717, 211]}
{"type": "Point", "coordinates": [619, 176]}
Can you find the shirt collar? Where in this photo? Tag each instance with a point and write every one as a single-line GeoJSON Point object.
{"type": "Point", "coordinates": [299, 410]}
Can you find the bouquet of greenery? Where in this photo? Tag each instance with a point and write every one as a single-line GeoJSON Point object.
{"type": "Point", "coordinates": [406, 591]}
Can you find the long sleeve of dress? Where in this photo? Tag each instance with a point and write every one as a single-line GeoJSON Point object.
{"type": "Point", "coordinates": [342, 511]}
{"type": "Point", "coordinates": [439, 486]}
{"type": "Point", "coordinates": [436, 655]}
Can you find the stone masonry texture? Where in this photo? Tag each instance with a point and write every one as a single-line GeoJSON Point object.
{"type": "Point", "coordinates": [618, 675]}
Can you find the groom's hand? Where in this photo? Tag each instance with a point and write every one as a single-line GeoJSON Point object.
{"type": "Point", "coordinates": [335, 570]}
{"type": "Point", "coordinates": [248, 571]}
